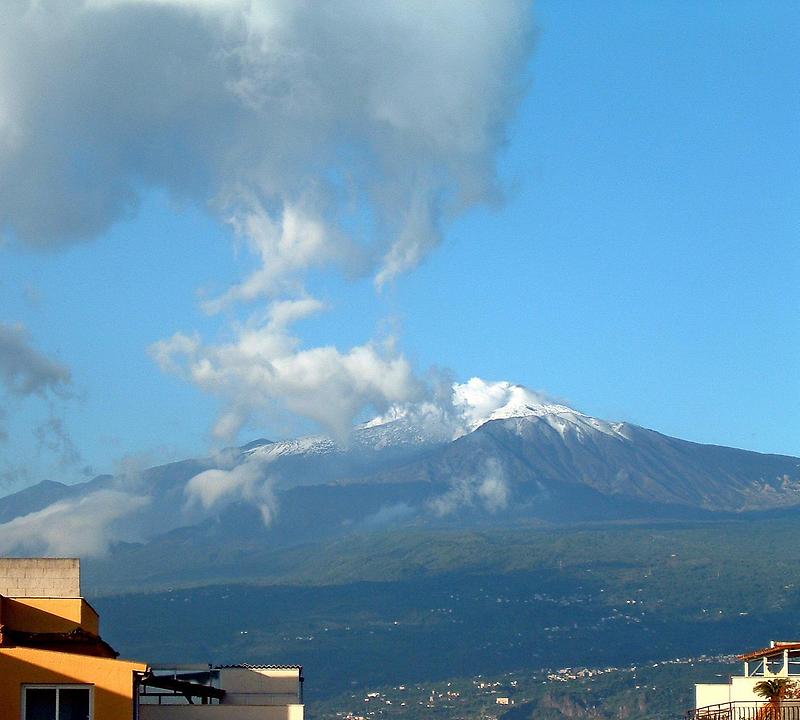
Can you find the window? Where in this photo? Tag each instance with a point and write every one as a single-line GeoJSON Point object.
{"type": "Point", "coordinates": [56, 702]}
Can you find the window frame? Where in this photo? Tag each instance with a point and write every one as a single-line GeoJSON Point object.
{"type": "Point", "coordinates": [57, 687]}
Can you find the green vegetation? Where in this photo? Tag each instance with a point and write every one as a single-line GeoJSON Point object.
{"type": "Point", "coordinates": [650, 692]}
{"type": "Point", "coordinates": [718, 565]}
{"type": "Point", "coordinates": [417, 609]}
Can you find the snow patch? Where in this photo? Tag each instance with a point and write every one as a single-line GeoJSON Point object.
{"type": "Point", "coordinates": [469, 406]}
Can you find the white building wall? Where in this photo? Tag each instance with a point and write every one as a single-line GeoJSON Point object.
{"type": "Point", "coordinates": [221, 712]}
{"type": "Point", "coordinates": [260, 686]}
{"type": "Point", "coordinates": [742, 688]}
{"type": "Point", "coordinates": [739, 689]}
{"type": "Point", "coordinates": [711, 694]}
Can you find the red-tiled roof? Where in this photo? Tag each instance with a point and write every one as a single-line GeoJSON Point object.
{"type": "Point", "coordinates": [776, 649]}
{"type": "Point", "coordinates": [248, 666]}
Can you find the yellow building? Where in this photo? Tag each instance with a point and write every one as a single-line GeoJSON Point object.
{"type": "Point", "coordinates": [55, 666]}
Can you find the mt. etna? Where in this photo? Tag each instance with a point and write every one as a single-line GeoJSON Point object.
{"type": "Point", "coordinates": [495, 454]}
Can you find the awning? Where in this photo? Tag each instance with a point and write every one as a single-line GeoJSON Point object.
{"type": "Point", "coordinates": [182, 687]}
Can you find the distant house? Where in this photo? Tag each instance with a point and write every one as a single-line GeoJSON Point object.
{"type": "Point", "coordinates": [737, 698]}
{"type": "Point", "coordinates": [55, 666]}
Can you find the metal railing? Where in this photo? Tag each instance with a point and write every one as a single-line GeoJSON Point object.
{"type": "Point", "coordinates": [747, 710]}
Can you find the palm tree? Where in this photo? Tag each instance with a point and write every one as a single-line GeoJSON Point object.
{"type": "Point", "coordinates": [773, 691]}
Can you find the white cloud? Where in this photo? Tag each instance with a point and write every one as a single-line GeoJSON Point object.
{"type": "Point", "coordinates": [264, 369]}
{"type": "Point", "coordinates": [247, 481]}
{"type": "Point", "coordinates": [284, 248]}
{"type": "Point", "coordinates": [451, 410]}
{"type": "Point", "coordinates": [287, 117]}
{"type": "Point", "coordinates": [83, 527]}
{"type": "Point", "coordinates": [488, 487]}
{"type": "Point", "coordinates": [493, 490]}
{"type": "Point", "coordinates": [478, 400]}
{"type": "Point", "coordinates": [389, 515]}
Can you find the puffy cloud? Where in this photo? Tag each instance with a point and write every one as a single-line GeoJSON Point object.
{"type": "Point", "coordinates": [81, 527]}
{"type": "Point", "coordinates": [488, 487]}
{"type": "Point", "coordinates": [264, 368]}
{"type": "Point", "coordinates": [297, 121]}
{"type": "Point", "coordinates": [284, 248]}
{"type": "Point", "coordinates": [247, 481]}
{"type": "Point", "coordinates": [493, 489]}
{"type": "Point", "coordinates": [24, 370]}
{"type": "Point", "coordinates": [478, 400]}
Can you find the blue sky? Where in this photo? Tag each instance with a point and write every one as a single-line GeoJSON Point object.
{"type": "Point", "coordinates": [642, 264]}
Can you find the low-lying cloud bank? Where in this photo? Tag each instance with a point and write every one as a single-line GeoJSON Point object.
{"type": "Point", "coordinates": [82, 527]}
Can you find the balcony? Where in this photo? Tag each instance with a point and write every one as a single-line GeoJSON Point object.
{"type": "Point", "coordinates": [746, 710]}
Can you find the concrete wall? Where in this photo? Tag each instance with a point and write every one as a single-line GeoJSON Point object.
{"type": "Point", "coordinates": [711, 694]}
{"type": "Point", "coordinates": [40, 577]}
{"type": "Point", "coordinates": [260, 686]}
{"type": "Point", "coordinates": [220, 712]}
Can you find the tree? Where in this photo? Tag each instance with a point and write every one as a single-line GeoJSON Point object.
{"type": "Point", "coordinates": [773, 691]}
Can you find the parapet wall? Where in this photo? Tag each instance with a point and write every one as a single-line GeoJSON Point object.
{"type": "Point", "coordinates": [220, 712]}
{"type": "Point", "coordinates": [40, 577]}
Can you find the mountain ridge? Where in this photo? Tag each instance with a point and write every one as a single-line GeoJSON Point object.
{"type": "Point", "coordinates": [473, 463]}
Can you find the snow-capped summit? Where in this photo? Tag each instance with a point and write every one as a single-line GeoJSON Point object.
{"type": "Point", "coordinates": [399, 428]}
{"type": "Point", "coordinates": [471, 404]}
{"type": "Point", "coordinates": [480, 401]}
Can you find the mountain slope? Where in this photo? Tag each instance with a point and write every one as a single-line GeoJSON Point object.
{"type": "Point", "coordinates": [617, 460]}
{"type": "Point", "coordinates": [621, 459]}
{"type": "Point", "coordinates": [498, 455]}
